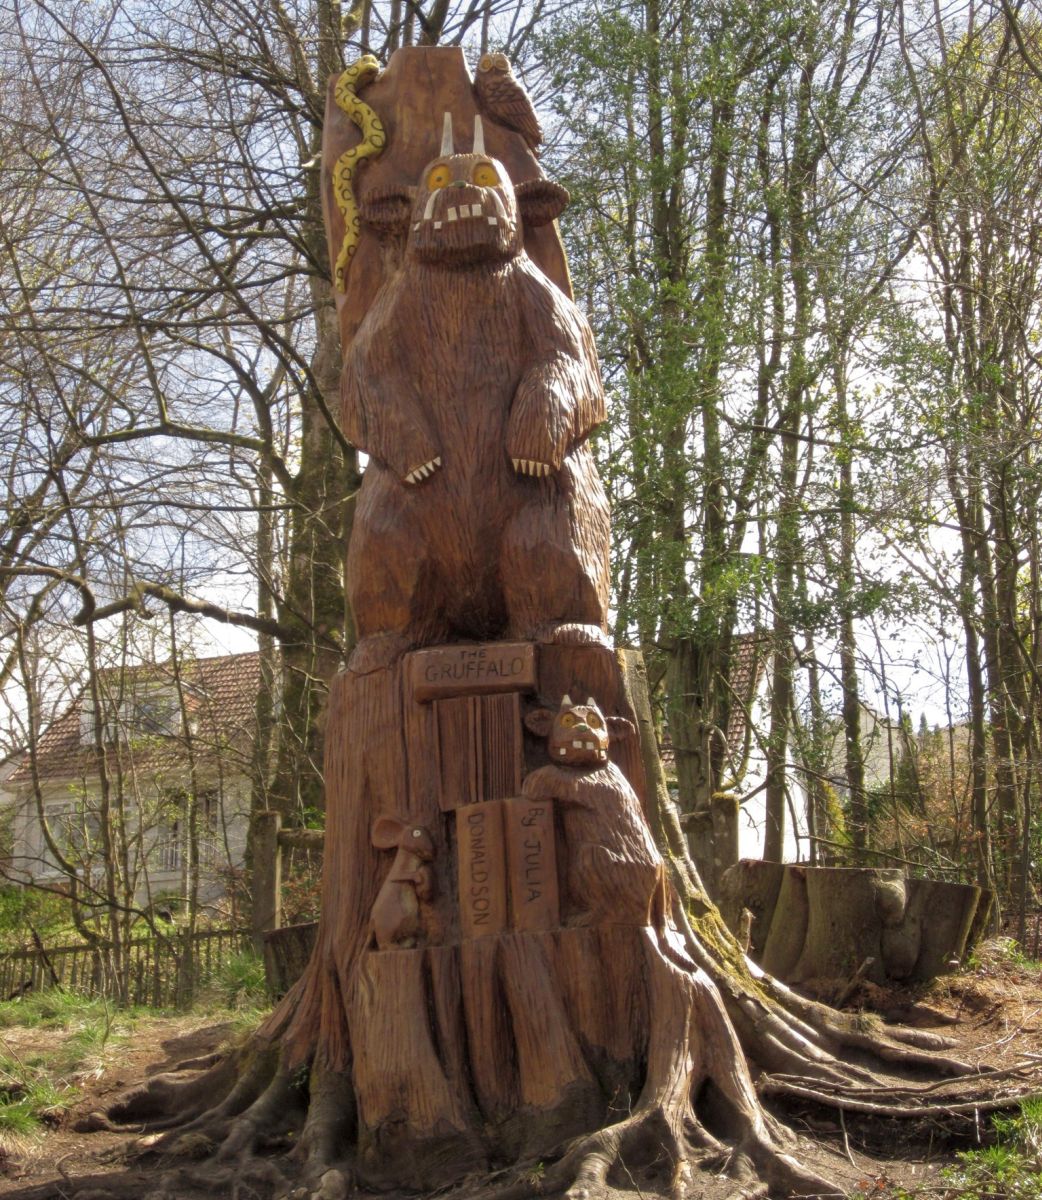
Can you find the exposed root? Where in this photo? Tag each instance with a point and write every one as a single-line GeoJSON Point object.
{"type": "Point", "coordinates": [655, 1143]}
{"type": "Point", "coordinates": [278, 1111]}
{"type": "Point", "coordinates": [854, 1103]}
{"type": "Point", "coordinates": [178, 1096]}
{"type": "Point", "coordinates": [330, 1126]}
{"type": "Point", "coordinates": [786, 1033]}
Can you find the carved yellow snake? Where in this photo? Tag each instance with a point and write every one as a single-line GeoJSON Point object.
{"type": "Point", "coordinates": [373, 141]}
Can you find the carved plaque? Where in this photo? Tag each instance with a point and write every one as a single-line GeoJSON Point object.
{"type": "Point", "coordinates": [472, 669]}
{"type": "Point", "coordinates": [482, 869]}
{"type": "Point", "coordinates": [532, 864]}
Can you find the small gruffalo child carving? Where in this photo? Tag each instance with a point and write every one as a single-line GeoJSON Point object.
{"type": "Point", "coordinates": [613, 871]}
{"type": "Point", "coordinates": [473, 386]}
{"type": "Point", "coordinates": [395, 916]}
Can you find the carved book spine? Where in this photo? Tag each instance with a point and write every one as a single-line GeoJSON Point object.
{"type": "Point", "coordinates": [482, 869]}
{"type": "Point", "coordinates": [531, 864]}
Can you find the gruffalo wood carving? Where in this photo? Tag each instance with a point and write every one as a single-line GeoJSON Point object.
{"type": "Point", "coordinates": [542, 1002]}
{"type": "Point", "coordinates": [473, 385]}
{"type": "Point", "coordinates": [614, 871]}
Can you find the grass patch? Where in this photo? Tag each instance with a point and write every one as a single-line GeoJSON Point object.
{"type": "Point", "coordinates": [239, 984]}
{"type": "Point", "coordinates": [55, 1044]}
{"type": "Point", "coordinates": [1010, 1168]}
{"type": "Point", "coordinates": [31, 1098]}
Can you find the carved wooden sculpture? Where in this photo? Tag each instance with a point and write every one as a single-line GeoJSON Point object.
{"type": "Point", "coordinates": [396, 911]}
{"type": "Point", "coordinates": [541, 990]}
{"type": "Point", "coordinates": [473, 385]}
{"type": "Point", "coordinates": [504, 99]}
{"type": "Point", "coordinates": [614, 871]}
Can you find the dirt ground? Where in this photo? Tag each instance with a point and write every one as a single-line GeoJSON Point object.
{"type": "Point", "coordinates": [993, 1014]}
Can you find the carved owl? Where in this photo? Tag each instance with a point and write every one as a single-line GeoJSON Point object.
{"type": "Point", "coordinates": [505, 100]}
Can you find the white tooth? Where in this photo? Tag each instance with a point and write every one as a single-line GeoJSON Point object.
{"type": "Point", "coordinates": [437, 461]}
{"type": "Point", "coordinates": [411, 477]}
{"type": "Point", "coordinates": [517, 463]}
{"type": "Point", "coordinates": [577, 745]}
{"type": "Point", "coordinates": [428, 211]}
{"type": "Point", "coordinates": [493, 220]}
{"type": "Point", "coordinates": [588, 746]}
{"type": "Point", "coordinates": [562, 752]}
{"type": "Point", "coordinates": [416, 226]}
{"type": "Point", "coordinates": [438, 224]}
{"type": "Point", "coordinates": [451, 214]}
{"type": "Point", "coordinates": [499, 204]}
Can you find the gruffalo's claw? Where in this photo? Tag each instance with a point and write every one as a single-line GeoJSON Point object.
{"type": "Point", "coordinates": [419, 474]}
{"type": "Point", "coordinates": [529, 466]}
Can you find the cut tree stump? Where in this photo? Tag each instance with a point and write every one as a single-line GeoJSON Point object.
{"type": "Point", "coordinates": [824, 922]}
{"type": "Point", "coordinates": [286, 954]}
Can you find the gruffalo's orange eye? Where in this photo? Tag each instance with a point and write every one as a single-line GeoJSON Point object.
{"type": "Point", "coordinates": [594, 721]}
{"type": "Point", "coordinates": [486, 175]}
{"type": "Point", "coordinates": [438, 178]}
{"type": "Point", "coordinates": [568, 720]}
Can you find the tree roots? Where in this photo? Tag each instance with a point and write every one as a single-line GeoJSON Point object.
{"type": "Point", "coordinates": [715, 1021]}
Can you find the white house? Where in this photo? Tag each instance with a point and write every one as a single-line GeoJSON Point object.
{"type": "Point", "coordinates": [146, 780]}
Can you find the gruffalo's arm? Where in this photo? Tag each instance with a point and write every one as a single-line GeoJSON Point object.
{"type": "Point", "coordinates": [560, 399]}
{"type": "Point", "coordinates": [381, 410]}
{"type": "Point", "coordinates": [382, 413]}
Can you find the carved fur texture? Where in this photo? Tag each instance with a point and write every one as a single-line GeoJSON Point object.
{"type": "Point", "coordinates": [473, 385]}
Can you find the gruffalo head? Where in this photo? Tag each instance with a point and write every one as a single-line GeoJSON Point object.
{"type": "Point", "coordinates": [465, 210]}
{"type": "Point", "coordinates": [577, 735]}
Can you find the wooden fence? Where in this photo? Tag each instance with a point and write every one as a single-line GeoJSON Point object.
{"type": "Point", "coordinates": [163, 972]}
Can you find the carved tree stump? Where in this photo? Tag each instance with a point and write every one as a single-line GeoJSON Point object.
{"type": "Point", "coordinates": [500, 964]}
{"type": "Point", "coordinates": [489, 1042]}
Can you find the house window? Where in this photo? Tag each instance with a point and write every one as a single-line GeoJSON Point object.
{"type": "Point", "coordinates": [76, 831]}
{"type": "Point", "coordinates": [168, 848]}
{"type": "Point", "coordinates": [149, 712]}
{"type": "Point", "coordinates": [171, 846]}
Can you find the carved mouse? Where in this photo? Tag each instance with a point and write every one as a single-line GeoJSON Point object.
{"type": "Point", "coordinates": [473, 385]}
{"type": "Point", "coordinates": [395, 916]}
{"type": "Point", "coordinates": [614, 872]}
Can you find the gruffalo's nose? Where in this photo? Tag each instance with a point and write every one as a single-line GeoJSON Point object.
{"type": "Point", "coordinates": [459, 183]}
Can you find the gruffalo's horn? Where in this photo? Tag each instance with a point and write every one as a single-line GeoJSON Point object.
{"type": "Point", "coordinates": [447, 148]}
{"type": "Point", "coordinates": [479, 136]}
